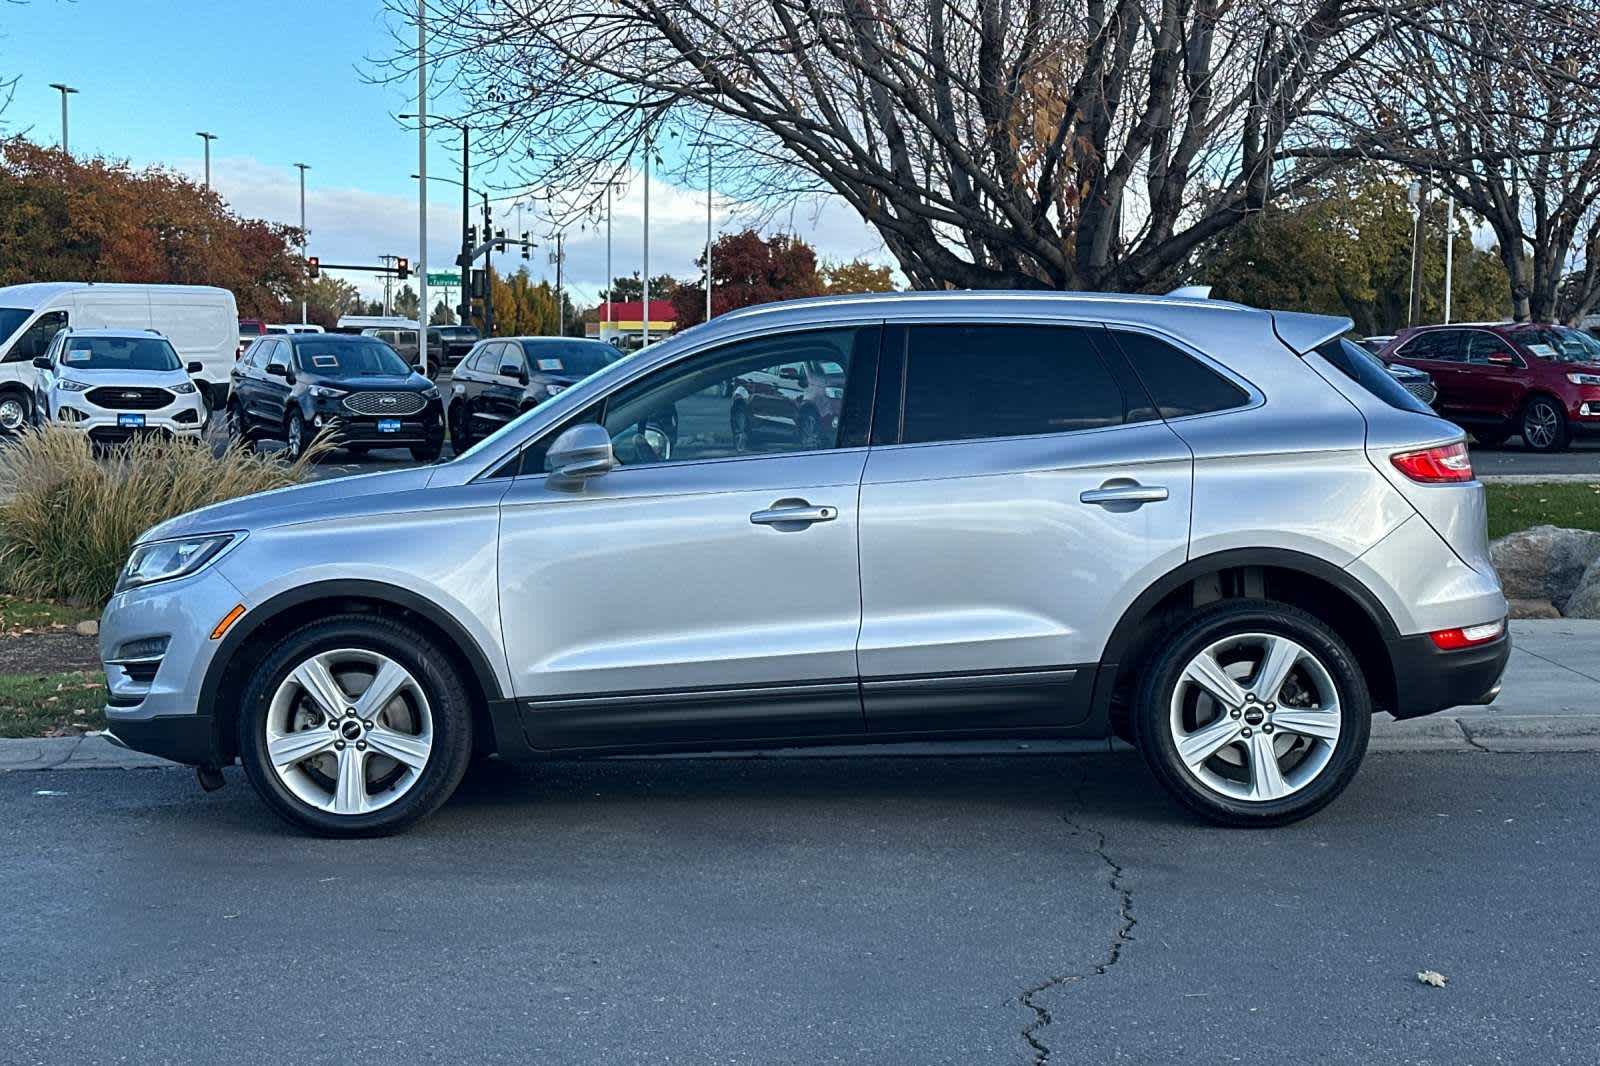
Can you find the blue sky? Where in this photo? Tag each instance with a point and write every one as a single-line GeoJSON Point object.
{"type": "Point", "coordinates": [280, 82]}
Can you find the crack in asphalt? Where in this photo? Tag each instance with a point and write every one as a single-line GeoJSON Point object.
{"type": "Point", "coordinates": [1120, 938]}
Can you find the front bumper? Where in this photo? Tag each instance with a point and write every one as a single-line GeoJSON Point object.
{"type": "Point", "coordinates": [1428, 680]}
{"type": "Point", "coordinates": [185, 418]}
{"type": "Point", "coordinates": [185, 738]}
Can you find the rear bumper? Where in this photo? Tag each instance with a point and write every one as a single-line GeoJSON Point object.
{"type": "Point", "coordinates": [1428, 680]}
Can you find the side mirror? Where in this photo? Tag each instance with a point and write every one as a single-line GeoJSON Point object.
{"type": "Point", "coordinates": [195, 368]}
{"type": "Point", "coordinates": [512, 370]}
{"type": "Point", "coordinates": [582, 452]}
{"type": "Point", "coordinates": [789, 373]}
{"type": "Point", "coordinates": [42, 362]}
{"type": "Point", "coordinates": [277, 370]}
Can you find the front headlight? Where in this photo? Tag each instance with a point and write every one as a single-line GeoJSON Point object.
{"type": "Point", "coordinates": [431, 392]}
{"type": "Point", "coordinates": [68, 385]}
{"type": "Point", "coordinates": [185, 389]}
{"type": "Point", "coordinates": [163, 560]}
{"type": "Point", "coordinates": [833, 393]}
{"type": "Point", "coordinates": [323, 392]}
{"type": "Point", "coordinates": [1584, 379]}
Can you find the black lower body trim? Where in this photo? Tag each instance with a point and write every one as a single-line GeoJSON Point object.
{"type": "Point", "coordinates": [1049, 698]}
{"type": "Point", "coordinates": [185, 738]}
{"type": "Point", "coordinates": [1428, 680]}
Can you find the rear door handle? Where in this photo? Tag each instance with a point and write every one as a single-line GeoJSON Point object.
{"type": "Point", "coordinates": [800, 515]}
{"type": "Point", "coordinates": [1134, 493]}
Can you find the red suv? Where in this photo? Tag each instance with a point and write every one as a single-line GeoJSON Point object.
{"type": "Point", "coordinates": [1541, 382]}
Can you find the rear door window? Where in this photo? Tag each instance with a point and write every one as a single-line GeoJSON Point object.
{"type": "Point", "coordinates": [966, 382]}
{"type": "Point", "coordinates": [1443, 345]}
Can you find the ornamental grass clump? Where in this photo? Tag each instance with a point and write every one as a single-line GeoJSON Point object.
{"type": "Point", "coordinates": [69, 514]}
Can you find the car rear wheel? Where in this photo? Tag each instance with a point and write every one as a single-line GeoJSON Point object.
{"type": "Point", "coordinates": [1544, 425]}
{"type": "Point", "coordinates": [355, 726]}
{"type": "Point", "coordinates": [1254, 714]}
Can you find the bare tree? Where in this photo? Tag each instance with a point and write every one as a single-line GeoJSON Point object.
{"type": "Point", "coordinates": [1497, 103]}
{"type": "Point", "coordinates": [1030, 143]}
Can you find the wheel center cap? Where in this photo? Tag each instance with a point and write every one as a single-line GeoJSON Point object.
{"type": "Point", "coordinates": [351, 729]}
{"type": "Point", "coordinates": [1255, 716]}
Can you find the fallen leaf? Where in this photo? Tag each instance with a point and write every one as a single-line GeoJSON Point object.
{"type": "Point", "coordinates": [1432, 977]}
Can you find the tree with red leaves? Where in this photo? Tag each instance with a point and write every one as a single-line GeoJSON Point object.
{"type": "Point", "coordinates": [747, 269]}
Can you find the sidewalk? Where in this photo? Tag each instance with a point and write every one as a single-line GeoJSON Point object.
{"type": "Point", "coordinates": [1550, 701]}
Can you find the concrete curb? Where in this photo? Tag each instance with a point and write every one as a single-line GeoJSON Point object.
{"type": "Point", "coordinates": [1481, 733]}
{"type": "Point", "coordinates": [1540, 479]}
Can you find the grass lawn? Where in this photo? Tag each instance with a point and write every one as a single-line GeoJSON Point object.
{"type": "Point", "coordinates": [62, 704]}
{"type": "Point", "coordinates": [16, 613]}
{"type": "Point", "coordinates": [1514, 507]}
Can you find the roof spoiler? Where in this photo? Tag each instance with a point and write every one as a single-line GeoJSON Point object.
{"type": "Point", "coordinates": [1302, 332]}
{"type": "Point", "coordinates": [1192, 292]}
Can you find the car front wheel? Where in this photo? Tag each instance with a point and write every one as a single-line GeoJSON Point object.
{"type": "Point", "coordinates": [355, 726]}
{"type": "Point", "coordinates": [1544, 425]}
{"type": "Point", "coordinates": [1254, 714]}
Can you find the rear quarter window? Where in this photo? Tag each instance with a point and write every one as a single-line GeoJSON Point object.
{"type": "Point", "coordinates": [1357, 364]}
{"type": "Point", "coordinates": [1179, 383]}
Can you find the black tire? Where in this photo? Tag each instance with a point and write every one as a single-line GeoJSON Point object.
{"type": "Point", "coordinates": [294, 435]}
{"type": "Point", "coordinates": [1153, 712]}
{"type": "Point", "coordinates": [460, 438]}
{"type": "Point", "coordinates": [234, 425]}
{"type": "Point", "coordinates": [449, 705]}
{"type": "Point", "coordinates": [1543, 425]}
{"type": "Point", "coordinates": [1491, 438]}
{"type": "Point", "coordinates": [16, 411]}
{"type": "Point", "coordinates": [739, 427]}
{"type": "Point", "coordinates": [810, 432]}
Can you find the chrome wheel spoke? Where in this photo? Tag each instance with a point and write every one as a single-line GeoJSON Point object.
{"type": "Point", "coordinates": [1280, 659]}
{"type": "Point", "coordinates": [1319, 722]}
{"type": "Point", "coordinates": [1206, 741]}
{"type": "Point", "coordinates": [386, 684]}
{"type": "Point", "coordinates": [1206, 672]}
{"type": "Point", "coordinates": [1266, 777]}
{"type": "Point", "coordinates": [299, 746]}
{"type": "Point", "coordinates": [318, 682]}
{"type": "Point", "coordinates": [401, 747]}
{"type": "Point", "coordinates": [350, 792]}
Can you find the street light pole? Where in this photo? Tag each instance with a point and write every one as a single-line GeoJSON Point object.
{"type": "Point", "coordinates": [423, 309]}
{"type": "Point", "coordinates": [302, 168]}
{"type": "Point", "coordinates": [207, 138]}
{"type": "Point", "coordinates": [645, 292]}
{"type": "Point", "coordinates": [561, 302]}
{"type": "Point", "coordinates": [65, 91]}
{"type": "Point", "coordinates": [611, 294]}
{"type": "Point", "coordinates": [708, 233]}
{"type": "Point", "coordinates": [1449, 253]}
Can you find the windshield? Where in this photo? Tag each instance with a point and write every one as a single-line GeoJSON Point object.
{"type": "Point", "coordinates": [580, 358]}
{"type": "Point", "coordinates": [350, 357]}
{"type": "Point", "coordinates": [119, 353]}
{"type": "Point", "coordinates": [1561, 343]}
{"type": "Point", "coordinates": [10, 319]}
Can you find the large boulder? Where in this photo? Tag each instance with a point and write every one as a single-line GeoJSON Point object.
{"type": "Point", "coordinates": [1545, 562]}
{"type": "Point", "coordinates": [1585, 600]}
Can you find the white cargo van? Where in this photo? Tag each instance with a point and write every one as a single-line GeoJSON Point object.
{"type": "Point", "coordinates": [201, 322]}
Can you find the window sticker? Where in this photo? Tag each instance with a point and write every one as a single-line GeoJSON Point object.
{"type": "Point", "coordinates": [78, 355]}
{"type": "Point", "coordinates": [550, 364]}
{"type": "Point", "coordinates": [324, 360]}
{"type": "Point", "coordinates": [1542, 350]}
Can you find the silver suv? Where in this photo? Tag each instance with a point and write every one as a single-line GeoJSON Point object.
{"type": "Point", "coordinates": [1220, 533]}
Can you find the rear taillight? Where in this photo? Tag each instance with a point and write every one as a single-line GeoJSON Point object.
{"type": "Point", "coordinates": [1435, 466]}
{"type": "Point", "coordinates": [1468, 636]}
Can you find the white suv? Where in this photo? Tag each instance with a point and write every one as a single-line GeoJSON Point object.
{"type": "Point", "coordinates": [113, 384]}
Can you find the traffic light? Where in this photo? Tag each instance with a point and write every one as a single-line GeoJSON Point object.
{"type": "Point", "coordinates": [525, 244]}
{"type": "Point", "coordinates": [402, 268]}
{"type": "Point", "coordinates": [472, 236]}
{"type": "Point", "coordinates": [313, 267]}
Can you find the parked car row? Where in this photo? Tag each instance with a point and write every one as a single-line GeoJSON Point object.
{"type": "Point", "coordinates": [1539, 382]}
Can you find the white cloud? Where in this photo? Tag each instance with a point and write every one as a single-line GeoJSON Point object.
{"type": "Point", "coordinates": [350, 225]}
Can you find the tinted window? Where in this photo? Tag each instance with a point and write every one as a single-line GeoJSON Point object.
{"type": "Point", "coordinates": [966, 382]}
{"type": "Point", "coordinates": [1561, 343]}
{"type": "Point", "coordinates": [119, 353]}
{"type": "Point", "coordinates": [10, 319]}
{"type": "Point", "coordinates": [580, 358]}
{"type": "Point", "coordinates": [746, 398]}
{"type": "Point", "coordinates": [1179, 383]}
{"type": "Point", "coordinates": [1441, 344]}
{"type": "Point", "coordinates": [35, 340]}
{"type": "Point", "coordinates": [1481, 344]}
{"type": "Point", "coordinates": [349, 357]}
{"type": "Point", "coordinates": [251, 329]}
{"type": "Point", "coordinates": [277, 353]}
{"type": "Point", "coordinates": [1360, 366]}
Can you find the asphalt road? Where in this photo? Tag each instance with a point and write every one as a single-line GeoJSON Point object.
{"type": "Point", "coordinates": [861, 910]}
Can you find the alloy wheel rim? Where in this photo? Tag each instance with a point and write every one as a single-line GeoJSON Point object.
{"type": "Point", "coordinates": [349, 732]}
{"type": "Point", "coordinates": [1539, 427]}
{"type": "Point", "coordinates": [1255, 717]}
{"type": "Point", "coordinates": [295, 433]}
{"type": "Point", "coordinates": [11, 414]}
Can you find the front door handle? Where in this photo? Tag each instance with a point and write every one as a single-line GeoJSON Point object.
{"type": "Point", "coordinates": [802, 514]}
{"type": "Point", "coordinates": [1126, 492]}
